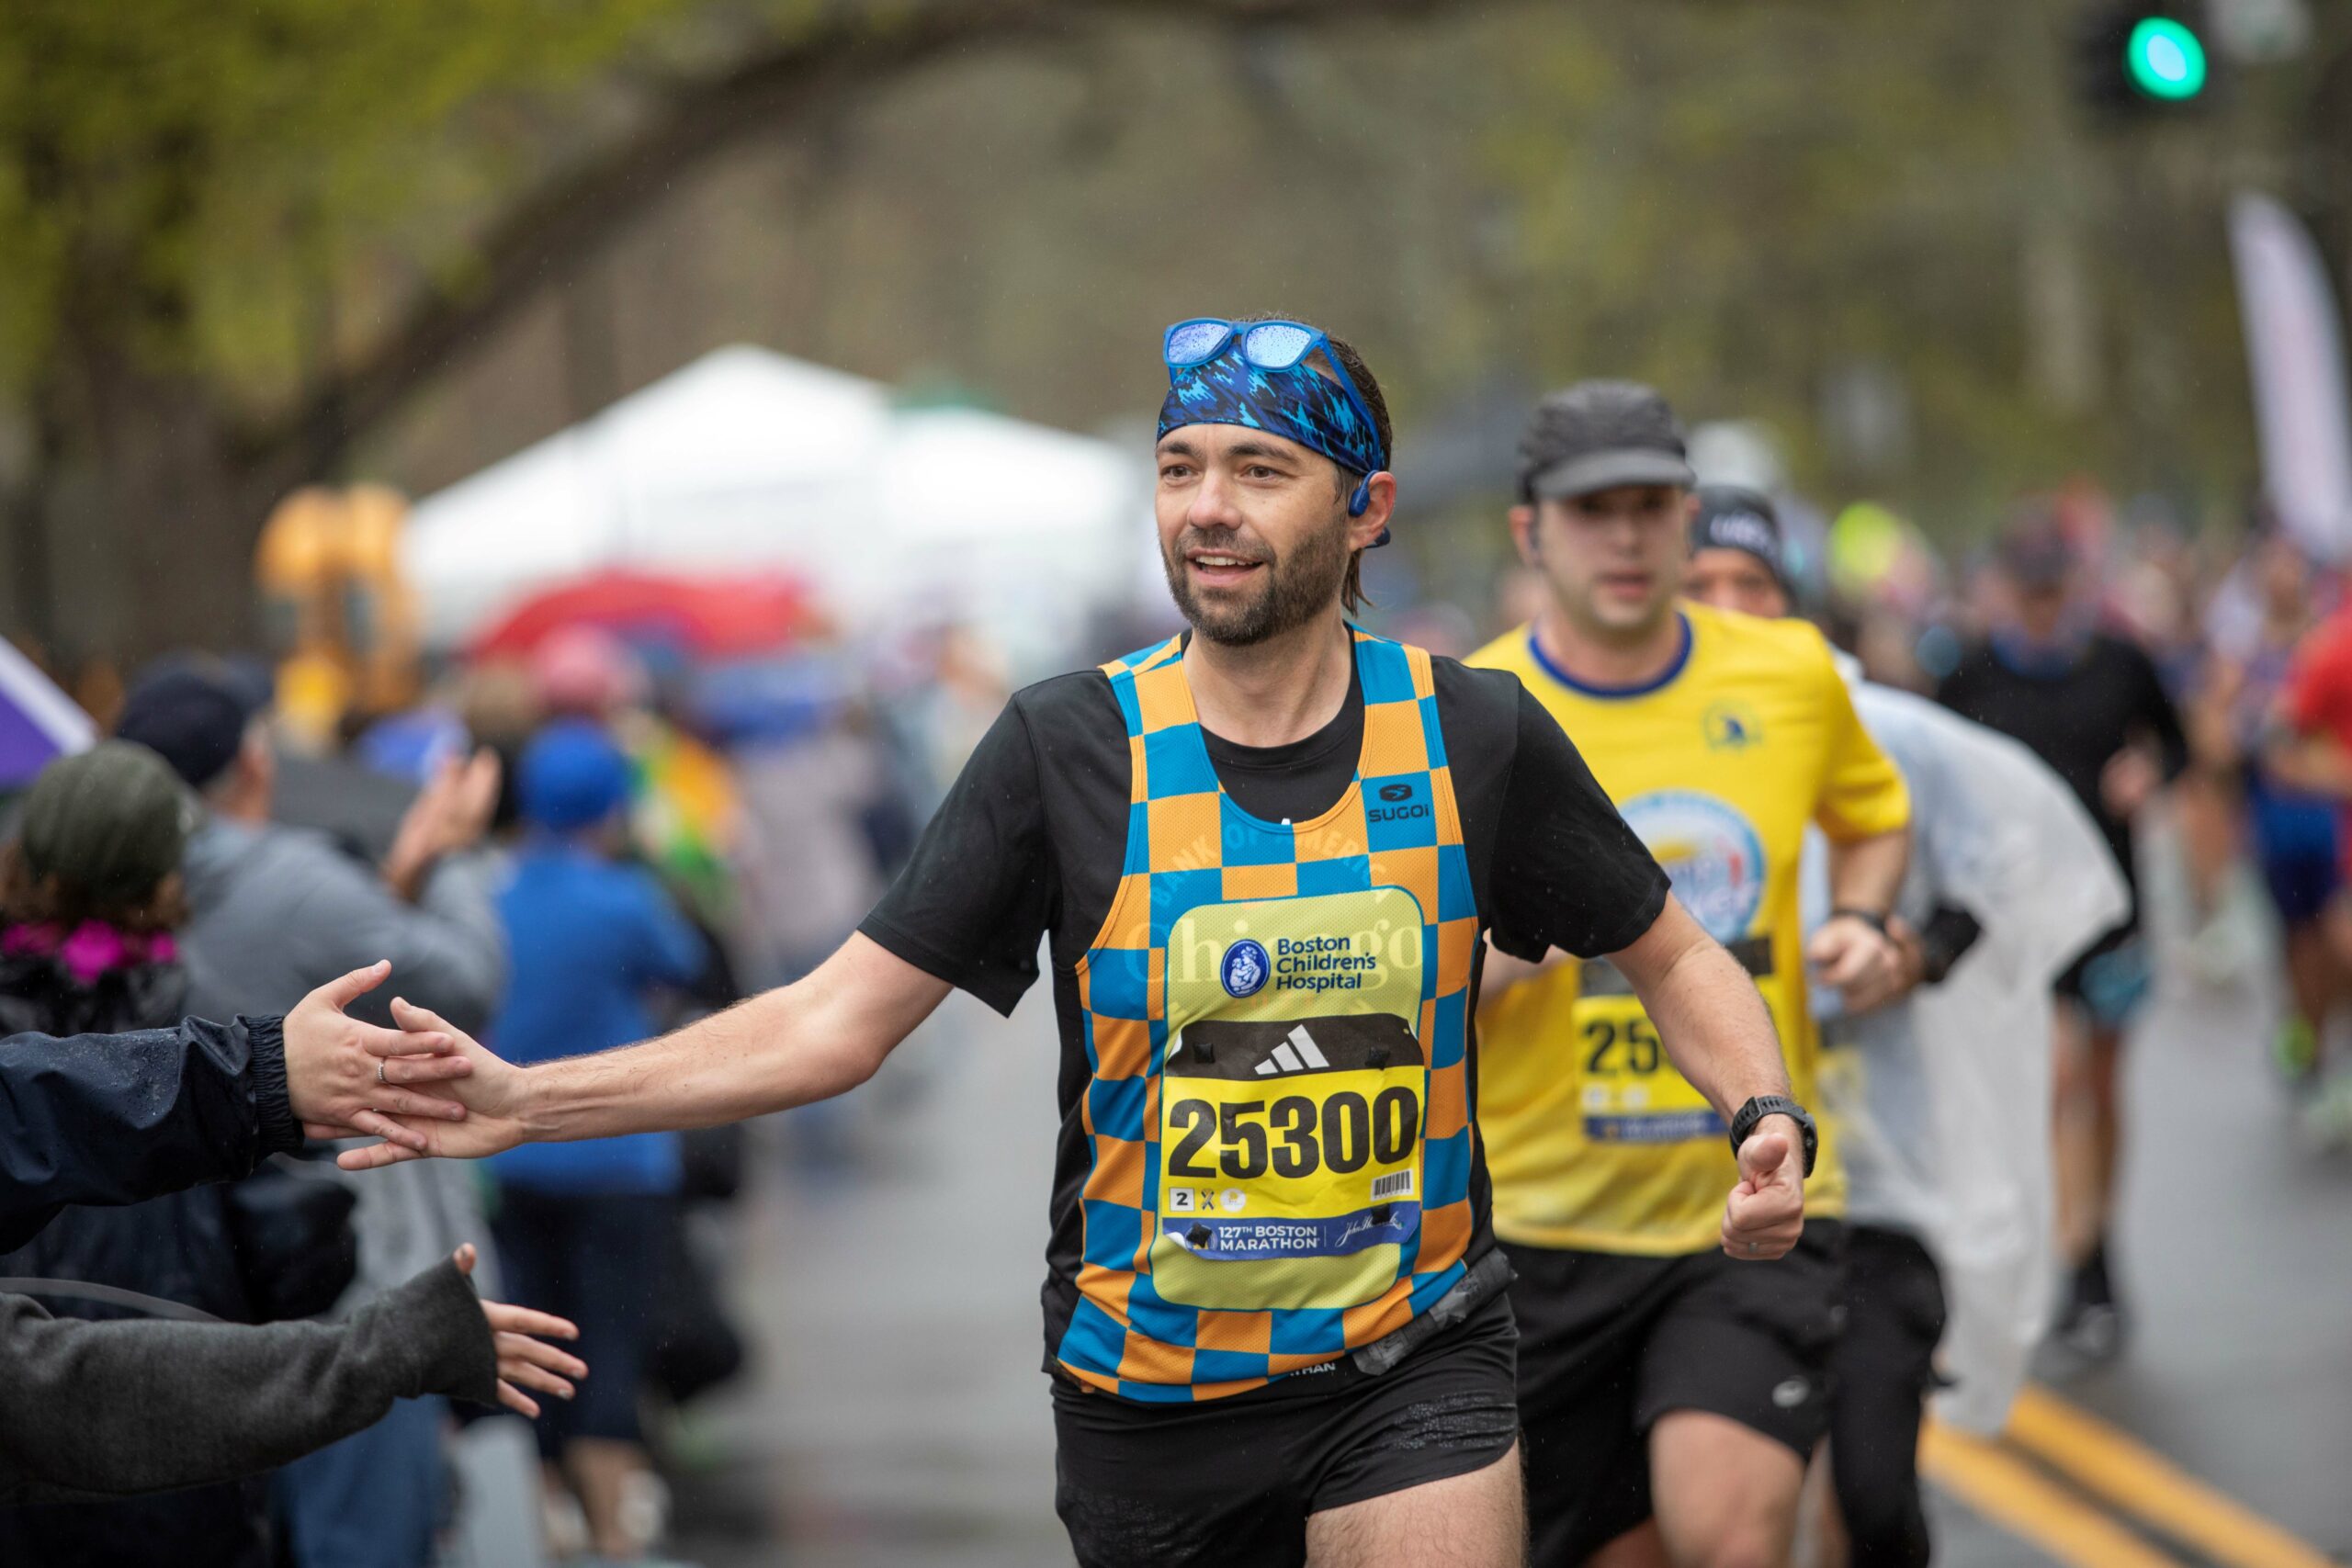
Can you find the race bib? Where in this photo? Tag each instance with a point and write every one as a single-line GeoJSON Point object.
{"type": "Point", "coordinates": [1293, 1100]}
{"type": "Point", "coordinates": [1626, 1090]}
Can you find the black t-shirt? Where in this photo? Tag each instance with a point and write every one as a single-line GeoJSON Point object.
{"type": "Point", "coordinates": [2076, 717]}
{"type": "Point", "coordinates": [1030, 843]}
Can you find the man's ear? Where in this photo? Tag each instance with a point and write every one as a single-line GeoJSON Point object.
{"type": "Point", "coordinates": [1364, 528]}
{"type": "Point", "coordinates": [1522, 533]}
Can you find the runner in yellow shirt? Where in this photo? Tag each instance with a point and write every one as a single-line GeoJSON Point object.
{"type": "Point", "coordinates": [1659, 1378]}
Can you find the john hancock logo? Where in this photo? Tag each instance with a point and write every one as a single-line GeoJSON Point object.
{"type": "Point", "coordinates": [1245, 968]}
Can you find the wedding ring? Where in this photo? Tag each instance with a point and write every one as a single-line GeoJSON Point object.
{"type": "Point", "coordinates": [379, 1074]}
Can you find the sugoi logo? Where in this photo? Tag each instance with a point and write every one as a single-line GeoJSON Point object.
{"type": "Point", "coordinates": [1246, 970]}
{"type": "Point", "coordinates": [1401, 807]}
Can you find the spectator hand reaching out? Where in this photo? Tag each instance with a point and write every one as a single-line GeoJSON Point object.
{"type": "Point", "coordinates": [346, 1078]}
{"type": "Point", "coordinates": [524, 1362]}
{"type": "Point", "coordinates": [451, 813]}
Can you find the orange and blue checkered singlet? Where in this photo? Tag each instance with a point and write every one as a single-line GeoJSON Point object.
{"type": "Point", "coordinates": [1276, 1017]}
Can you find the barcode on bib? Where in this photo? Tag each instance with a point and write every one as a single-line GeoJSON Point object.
{"type": "Point", "coordinates": [1395, 1184]}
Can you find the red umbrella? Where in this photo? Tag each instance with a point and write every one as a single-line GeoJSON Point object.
{"type": "Point", "coordinates": [729, 618]}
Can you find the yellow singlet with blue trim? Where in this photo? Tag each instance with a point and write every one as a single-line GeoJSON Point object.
{"type": "Point", "coordinates": [1275, 1016]}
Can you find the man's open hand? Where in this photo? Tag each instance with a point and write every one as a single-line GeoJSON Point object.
{"type": "Point", "coordinates": [1764, 1213]}
{"type": "Point", "coordinates": [492, 1091]}
{"type": "Point", "coordinates": [347, 1078]}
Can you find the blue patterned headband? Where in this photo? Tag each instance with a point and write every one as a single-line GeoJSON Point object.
{"type": "Point", "coordinates": [1294, 403]}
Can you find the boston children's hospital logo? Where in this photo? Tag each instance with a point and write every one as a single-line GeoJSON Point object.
{"type": "Point", "coordinates": [1245, 968]}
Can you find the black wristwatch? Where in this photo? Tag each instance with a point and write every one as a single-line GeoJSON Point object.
{"type": "Point", "coordinates": [1874, 919]}
{"type": "Point", "coordinates": [1765, 1105]}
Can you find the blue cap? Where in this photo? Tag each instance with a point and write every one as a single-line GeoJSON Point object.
{"type": "Point", "coordinates": [572, 776]}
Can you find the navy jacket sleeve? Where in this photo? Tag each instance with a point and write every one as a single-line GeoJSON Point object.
{"type": "Point", "coordinates": [120, 1118]}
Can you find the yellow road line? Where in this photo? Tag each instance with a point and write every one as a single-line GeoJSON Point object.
{"type": "Point", "coordinates": [2107, 1462]}
{"type": "Point", "coordinates": [2011, 1492]}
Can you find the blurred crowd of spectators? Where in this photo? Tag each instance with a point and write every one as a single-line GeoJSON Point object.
{"type": "Point", "coordinates": [559, 853]}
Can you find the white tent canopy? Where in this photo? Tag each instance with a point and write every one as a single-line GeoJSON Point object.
{"type": "Point", "coordinates": [746, 460]}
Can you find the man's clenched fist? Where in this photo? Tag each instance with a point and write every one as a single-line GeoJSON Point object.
{"type": "Point", "coordinates": [1764, 1213]}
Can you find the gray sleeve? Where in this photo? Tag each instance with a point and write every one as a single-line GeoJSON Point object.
{"type": "Point", "coordinates": [112, 1409]}
{"type": "Point", "coordinates": [1949, 832]}
{"type": "Point", "coordinates": [448, 951]}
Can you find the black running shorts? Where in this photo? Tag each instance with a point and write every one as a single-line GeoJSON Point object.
{"type": "Point", "coordinates": [1610, 1343]}
{"type": "Point", "coordinates": [1232, 1481]}
{"type": "Point", "coordinates": [1882, 1372]}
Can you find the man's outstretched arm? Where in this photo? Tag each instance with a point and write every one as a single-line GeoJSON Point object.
{"type": "Point", "coordinates": [1716, 1031]}
{"type": "Point", "coordinates": [819, 1037]}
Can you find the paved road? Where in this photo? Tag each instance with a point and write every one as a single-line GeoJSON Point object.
{"type": "Point", "coordinates": [900, 1421]}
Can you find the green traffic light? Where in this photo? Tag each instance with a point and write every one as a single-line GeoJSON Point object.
{"type": "Point", "coordinates": [2165, 59]}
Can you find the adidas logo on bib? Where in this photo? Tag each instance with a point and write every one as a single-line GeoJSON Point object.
{"type": "Point", "coordinates": [1307, 1057]}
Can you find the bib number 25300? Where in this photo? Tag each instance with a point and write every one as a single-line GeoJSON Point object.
{"type": "Point", "coordinates": [1292, 1140]}
{"type": "Point", "coordinates": [1295, 1136]}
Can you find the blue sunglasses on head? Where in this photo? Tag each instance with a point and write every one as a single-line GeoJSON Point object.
{"type": "Point", "coordinates": [1278, 346]}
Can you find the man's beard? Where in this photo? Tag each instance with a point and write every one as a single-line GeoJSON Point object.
{"type": "Point", "coordinates": [1295, 590]}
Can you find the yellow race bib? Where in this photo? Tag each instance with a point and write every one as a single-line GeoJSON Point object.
{"type": "Point", "coordinates": [1623, 1085]}
{"type": "Point", "coordinates": [1293, 1100]}
{"type": "Point", "coordinates": [1627, 1092]}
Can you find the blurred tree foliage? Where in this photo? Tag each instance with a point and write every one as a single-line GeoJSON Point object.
{"type": "Point", "coordinates": [235, 237]}
{"type": "Point", "coordinates": [203, 208]}
{"type": "Point", "coordinates": [239, 243]}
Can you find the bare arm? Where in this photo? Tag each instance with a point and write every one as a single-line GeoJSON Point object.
{"type": "Point", "coordinates": [1718, 1034]}
{"type": "Point", "coordinates": [1708, 1013]}
{"type": "Point", "coordinates": [817, 1038]}
{"type": "Point", "coordinates": [1866, 874]}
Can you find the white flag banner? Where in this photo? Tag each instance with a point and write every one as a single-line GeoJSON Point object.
{"type": "Point", "coordinates": [2294, 344]}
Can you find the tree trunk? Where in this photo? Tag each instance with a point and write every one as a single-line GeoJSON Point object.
{"type": "Point", "coordinates": [149, 524]}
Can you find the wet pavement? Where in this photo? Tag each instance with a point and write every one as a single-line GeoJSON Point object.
{"type": "Point", "coordinates": [2235, 1250]}
{"type": "Point", "coordinates": [897, 1418]}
